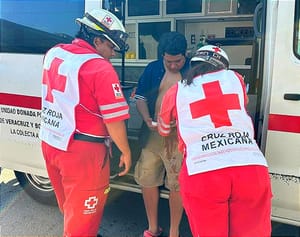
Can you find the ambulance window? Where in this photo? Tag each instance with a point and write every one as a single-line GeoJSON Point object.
{"type": "Point", "coordinates": [30, 26]}
{"type": "Point", "coordinates": [149, 33]}
{"type": "Point", "coordinates": [143, 8]}
{"type": "Point", "coordinates": [297, 30]}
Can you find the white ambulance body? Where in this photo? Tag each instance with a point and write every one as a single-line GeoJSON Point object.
{"type": "Point", "coordinates": [281, 109]}
{"type": "Point", "coordinates": [274, 90]}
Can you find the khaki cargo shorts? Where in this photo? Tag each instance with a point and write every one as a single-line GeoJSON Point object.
{"type": "Point", "coordinates": [159, 164]}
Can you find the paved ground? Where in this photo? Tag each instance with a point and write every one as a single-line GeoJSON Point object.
{"type": "Point", "coordinates": [22, 216]}
{"type": "Point", "coordinates": [124, 215]}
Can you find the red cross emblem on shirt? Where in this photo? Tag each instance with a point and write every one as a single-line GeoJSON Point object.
{"type": "Point", "coordinates": [116, 88]}
{"type": "Point", "coordinates": [53, 80]}
{"type": "Point", "coordinates": [216, 104]}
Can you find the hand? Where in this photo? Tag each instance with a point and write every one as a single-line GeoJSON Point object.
{"type": "Point", "coordinates": [125, 160]}
{"type": "Point", "coordinates": [151, 124]}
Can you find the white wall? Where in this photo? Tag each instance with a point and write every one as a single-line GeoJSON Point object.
{"type": "Point", "coordinates": [237, 54]}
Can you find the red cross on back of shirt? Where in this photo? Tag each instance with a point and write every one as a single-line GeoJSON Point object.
{"type": "Point", "coordinates": [216, 104]}
{"type": "Point", "coordinates": [53, 80]}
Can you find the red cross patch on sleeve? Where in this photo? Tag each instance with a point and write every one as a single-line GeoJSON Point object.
{"type": "Point", "coordinates": [117, 90]}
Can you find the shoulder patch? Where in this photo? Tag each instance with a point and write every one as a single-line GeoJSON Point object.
{"type": "Point", "coordinates": [117, 90]}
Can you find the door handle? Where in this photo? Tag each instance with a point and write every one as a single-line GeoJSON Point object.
{"type": "Point", "coordinates": [289, 96]}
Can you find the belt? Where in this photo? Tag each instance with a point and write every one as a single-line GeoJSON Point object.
{"type": "Point", "coordinates": [87, 138]}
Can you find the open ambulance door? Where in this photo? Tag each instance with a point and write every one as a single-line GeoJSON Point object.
{"type": "Point", "coordinates": [281, 105]}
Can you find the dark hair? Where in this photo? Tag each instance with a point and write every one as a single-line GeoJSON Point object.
{"type": "Point", "coordinates": [172, 43]}
{"type": "Point", "coordinates": [199, 68]}
{"type": "Point", "coordinates": [87, 34]}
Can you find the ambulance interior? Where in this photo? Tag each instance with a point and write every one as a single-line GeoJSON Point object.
{"type": "Point", "coordinates": [229, 26]}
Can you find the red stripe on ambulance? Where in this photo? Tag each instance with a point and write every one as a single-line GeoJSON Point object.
{"type": "Point", "coordinates": [284, 123]}
{"type": "Point", "coordinates": [29, 102]}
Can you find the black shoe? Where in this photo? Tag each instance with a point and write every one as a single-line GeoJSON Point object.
{"type": "Point", "coordinates": [98, 235]}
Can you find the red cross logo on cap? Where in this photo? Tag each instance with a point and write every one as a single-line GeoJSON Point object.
{"type": "Point", "coordinates": [108, 21]}
{"type": "Point", "coordinates": [216, 105]}
{"type": "Point", "coordinates": [53, 80]}
{"type": "Point", "coordinates": [216, 49]}
{"type": "Point", "coordinates": [91, 202]}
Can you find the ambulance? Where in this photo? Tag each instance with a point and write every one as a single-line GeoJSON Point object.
{"type": "Point", "coordinates": [261, 37]}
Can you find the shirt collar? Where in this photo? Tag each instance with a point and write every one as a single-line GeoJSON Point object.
{"type": "Point", "coordinates": [82, 43]}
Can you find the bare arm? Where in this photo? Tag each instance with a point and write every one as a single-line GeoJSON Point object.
{"type": "Point", "coordinates": [142, 107]}
{"type": "Point", "coordinates": [118, 133]}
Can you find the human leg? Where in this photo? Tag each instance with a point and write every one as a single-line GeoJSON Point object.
{"type": "Point", "coordinates": [205, 199]}
{"type": "Point", "coordinates": [250, 206]}
{"type": "Point", "coordinates": [176, 210]}
{"type": "Point", "coordinates": [49, 154]}
{"type": "Point", "coordinates": [85, 179]}
{"type": "Point", "coordinates": [151, 199]}
{"type": "Point", "coordinates": [172, 161]}
{"type": "Point", "coordinates": [149, 174]}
